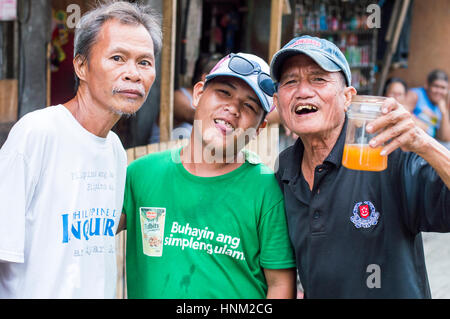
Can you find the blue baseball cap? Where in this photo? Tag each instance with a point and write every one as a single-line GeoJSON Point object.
{"type": "Point", "coordinates": [325, 53]}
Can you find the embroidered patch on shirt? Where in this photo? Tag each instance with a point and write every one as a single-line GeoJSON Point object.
{"type": "Point", "coordinates": [364, 215]}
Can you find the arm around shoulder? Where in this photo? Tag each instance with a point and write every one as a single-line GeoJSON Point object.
{"type": "Point", "coordinates": [122, 223]}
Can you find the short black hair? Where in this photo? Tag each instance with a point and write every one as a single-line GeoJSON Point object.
{"type": "Point", "coordinates": [437, 75]}
{"type": "Point", "coordinates": [394, 80]}
{"type": "Point", "coordinates": [343, 79]}
{"type": "Point", "coordinates": [204, 64]}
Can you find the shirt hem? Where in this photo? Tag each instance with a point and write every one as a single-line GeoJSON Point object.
{"type": "Point", "coordinates": [11, 257]}
{"type": "Point", "coordinates": [268, 265]}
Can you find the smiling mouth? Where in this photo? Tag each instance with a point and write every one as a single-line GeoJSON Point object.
{"type": "Point", "coordinates": [225, 126]}
{"type": "Point", "coordinates": [305, 109]}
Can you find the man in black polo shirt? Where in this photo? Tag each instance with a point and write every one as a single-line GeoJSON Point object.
{"type": "Point", "coordinates": [336, 257]}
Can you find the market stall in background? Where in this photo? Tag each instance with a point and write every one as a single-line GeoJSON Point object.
{"type": "Point", "coordinates": [379, 39]}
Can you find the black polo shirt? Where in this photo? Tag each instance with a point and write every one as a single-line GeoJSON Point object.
{"type": "Point", "coordinates": [357, 233]}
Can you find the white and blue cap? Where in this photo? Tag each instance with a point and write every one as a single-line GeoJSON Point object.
{"type": "Point", "coordinates": [325, 53]}
{"type": "Point", "coordinates": [251, 69]}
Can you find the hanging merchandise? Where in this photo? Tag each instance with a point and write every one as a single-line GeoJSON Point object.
{"type": "Point", "coordinates": [230, 22]}
{"type": "Point", "coordinates": [323, 18]}
{"type": "Point", "coordinates": [61, 58]}
{"type": "Point", "coordinates": [8, 10]}
{"type": "Point", "coordinates": [344, 23]}
{"type": "Point", "coordinates": [334, 22]}
{"type": "Point", "coordinates": [60, 37]}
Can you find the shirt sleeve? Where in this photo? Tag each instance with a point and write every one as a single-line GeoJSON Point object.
{"type": "Point", "coordinates": [13, 193]}
{"type": "Point", "coordinates": [128, 202]}
{"type": "Point", "coordinates": [20, 165]}
{"type": "Point", "coordinates": [276, 248]}
{"type": "Point", "coordinates": [426, 196]}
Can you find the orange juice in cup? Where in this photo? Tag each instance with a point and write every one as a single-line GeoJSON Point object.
{"type": "Point", "coordinates": [358, 155]}
{"type": "Point", "coordinates": [363, 158]}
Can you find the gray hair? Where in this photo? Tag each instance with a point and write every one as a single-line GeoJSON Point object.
{"type": "Point", "coordinates": [91, 23]}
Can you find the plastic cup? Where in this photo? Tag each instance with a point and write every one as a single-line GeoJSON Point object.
{"type": "Point", "coordinates": [358, 155]}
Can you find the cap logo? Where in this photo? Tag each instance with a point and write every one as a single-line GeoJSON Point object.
{"type": "Point", "coordinates": [364, 215]}
{"type": "Point", "coordinates": [220, 63]}
{"type": "Point", "coordinates": [305, 41]}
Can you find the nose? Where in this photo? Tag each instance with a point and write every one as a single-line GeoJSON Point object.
{"type": "Point", "coordinates": [304, 90]}
{"type": "Point", "coordinates": [232, 108]}
{"type": "Point", "coordinates": [131, 73]}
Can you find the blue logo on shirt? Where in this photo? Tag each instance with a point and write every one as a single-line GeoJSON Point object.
{"type": "Point", "coordinates": [88, 223]}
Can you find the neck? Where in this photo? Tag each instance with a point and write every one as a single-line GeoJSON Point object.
{"type": "Point", "coordinates": [316, 150]}
{"type": "Point", "coordinates": [200, 161]}
{"type": "Point", "coordinates": [91, 114]}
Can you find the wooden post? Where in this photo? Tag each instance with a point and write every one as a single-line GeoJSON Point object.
{"type": "Point", "coordinates": [167, 69]}
{"type": "Point", "coordinates": [276, 16]}
{"type": "Point", "coordinates": [49, 74]}
{"type": "Point", "coordinates": [393, 36]}
{"type": "Point", "coordinates": [8, 100]}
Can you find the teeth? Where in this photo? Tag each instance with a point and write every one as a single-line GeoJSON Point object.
{"type": "Point", "coordinates": [306, 107]}
{"type": "Point", "coordinates": [224, 123]}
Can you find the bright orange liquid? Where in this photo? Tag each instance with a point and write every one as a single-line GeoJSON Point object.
{"type": "Point", "coordinates": [363, 158]}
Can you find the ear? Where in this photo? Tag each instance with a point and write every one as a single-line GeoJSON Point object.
{"type": "Point", "coordinates": [349, 91]}
{"type": "Point", "coordinates": [80, 67]}
{"type": "Point", "coordinates": [261, 126]}
{"type": "Point", "coordinates": [275, 100]}
{"type": "Point", "coordinates": [197, 93]}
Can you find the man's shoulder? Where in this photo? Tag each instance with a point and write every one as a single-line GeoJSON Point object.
{"type": "Point", "coordinates": [264, 177]}
{"type": "Point", "coordinates": [41, 119]}
{"type": "Point", "coordinates": [32, 129]}
{"type": "Point", "coordinates": [284, 157]}
{"type": "Point", "coordinates": [156, 160]}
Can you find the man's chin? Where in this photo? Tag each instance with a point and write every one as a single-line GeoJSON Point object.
{"type": "Point", "coordinates": [126, 111]}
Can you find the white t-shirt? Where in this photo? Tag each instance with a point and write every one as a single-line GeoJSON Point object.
{"type": "Point", "coordinates": [61, 196]}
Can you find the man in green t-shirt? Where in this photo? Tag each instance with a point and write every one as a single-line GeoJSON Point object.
{"type": "Point", "coordinates": [208, 220]}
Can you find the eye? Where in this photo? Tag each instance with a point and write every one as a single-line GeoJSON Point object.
{"type": "Point", "coordinates": [289, 82]}
{"type": "Point", "coordinates": [319, 79]}
{"type": "Point", "coordinates": [223, 92]}
{"type": "Point", "coordinates": [251, 107]}
{"type": "Point", "coordinates": [145, 63]}
{"type": "Point", "coordinates": [117, 58]}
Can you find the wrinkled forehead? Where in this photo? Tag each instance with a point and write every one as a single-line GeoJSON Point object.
{"type": "Point", "coordinates": [300, 62]}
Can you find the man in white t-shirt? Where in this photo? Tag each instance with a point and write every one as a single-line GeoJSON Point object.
{"type": "Point", "coordinates": [63, 171]}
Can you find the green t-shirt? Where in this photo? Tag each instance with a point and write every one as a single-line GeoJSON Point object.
{"type": "Point", "coordinates": [202, 237]}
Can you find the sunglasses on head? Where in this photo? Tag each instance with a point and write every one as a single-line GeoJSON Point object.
{"type": "Point", "coordinates": [243, 66]}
